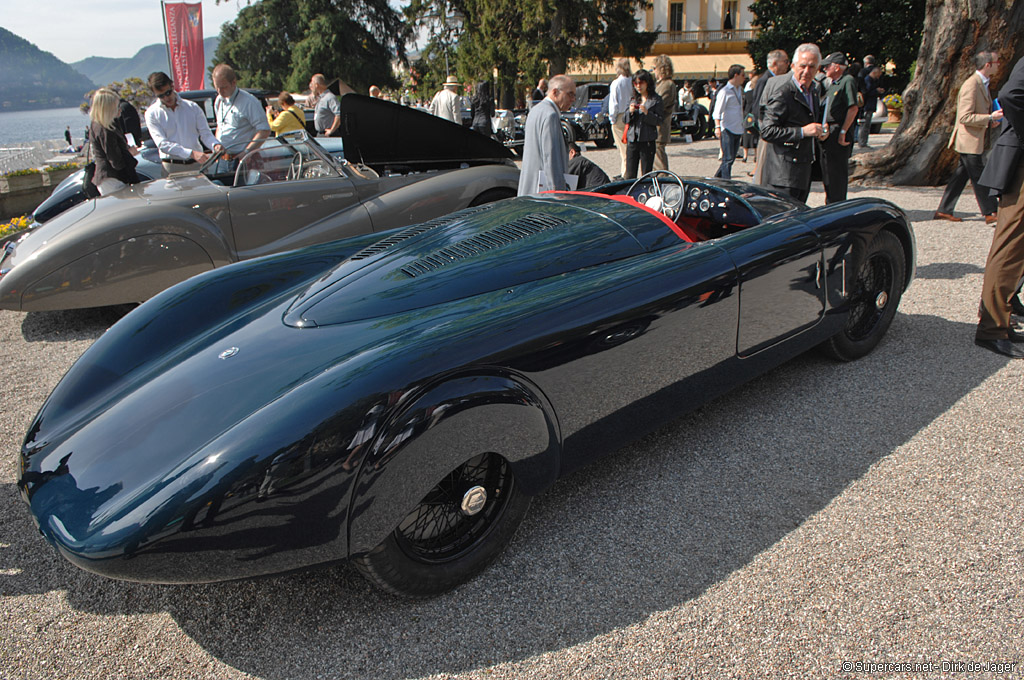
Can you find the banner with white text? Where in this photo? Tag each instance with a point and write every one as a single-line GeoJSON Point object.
{"type": "Point", "coordinates": [185, 43]}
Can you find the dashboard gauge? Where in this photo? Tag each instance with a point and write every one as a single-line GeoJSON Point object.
{"type": "Point", "coordinates": [642, 198]}
{"type": "Point", "coordinates": [705, 205]}
{"type": "Point", "coordinates": [671, 193]}
{"type": "Point", "coordinates": [695, 193]}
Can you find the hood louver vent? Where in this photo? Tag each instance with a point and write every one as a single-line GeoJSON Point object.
{"type": "Point", "coordinates": [481, 243]}
{"type": "Point", "coordinates": [415, 230]}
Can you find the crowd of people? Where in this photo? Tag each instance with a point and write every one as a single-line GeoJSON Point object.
{"type": "Point", "coordinates": [791, 116]}
{"type": "Point", "coordinates": [812, 111]}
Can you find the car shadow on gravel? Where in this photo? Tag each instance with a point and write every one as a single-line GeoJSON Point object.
{"type": "Point", "coordinates": [648, 528]}
{"type": "Point", "coordinates": [71, 324]}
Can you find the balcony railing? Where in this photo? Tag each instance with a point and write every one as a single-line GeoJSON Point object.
{"type": "Point", "coordinates": [705, 36]}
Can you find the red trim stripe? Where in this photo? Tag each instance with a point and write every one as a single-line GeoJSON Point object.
{"type": "Point", "coordinates": [629, 200]}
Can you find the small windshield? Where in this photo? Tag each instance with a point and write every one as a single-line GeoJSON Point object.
{"type": "Point", "coordinates": [283, 159]}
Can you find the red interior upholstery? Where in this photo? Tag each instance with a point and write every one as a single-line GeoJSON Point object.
{"type": "Point", "coordinates": [682, 231]}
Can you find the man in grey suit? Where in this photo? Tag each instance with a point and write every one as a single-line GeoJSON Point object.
{"type": "Point", "coordinates": [1004, 172]}
{"type": "Point", "coordinates": [790, 121]}
{"type": "Point", "coordinates": [545, 157]}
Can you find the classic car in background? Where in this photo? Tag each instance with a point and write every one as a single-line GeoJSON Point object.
{"type": "Point", "coordinates": [400, 167]}
{"type": "Point", "coordinates": [588, 119]}
{"type": "Point", "coordinates": [73, 190]}
{"type": "Point", "coordinates": [398, 400]}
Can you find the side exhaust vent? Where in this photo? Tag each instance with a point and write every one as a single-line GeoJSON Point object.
{"type": "Point", "coordinates": [417, 229]}
{"type": "Point", "coordinates": [514, 231]}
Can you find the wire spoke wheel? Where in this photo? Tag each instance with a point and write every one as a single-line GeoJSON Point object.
{"type": "Point", "coordinates": [440, 529]}
{"type": "Point", "coordinates": [871, 296]}
{"type": "Point", "coordinates": [875, 292]}
{"type": "Point", "coordinates": [459, 527]}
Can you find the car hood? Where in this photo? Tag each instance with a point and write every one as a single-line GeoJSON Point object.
{"type": "Point", "coordinates": [376, 131]}
{"type": "Point", "coordinates": [499, 245]}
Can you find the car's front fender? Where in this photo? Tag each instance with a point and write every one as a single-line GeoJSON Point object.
{"type": "Point", "coordinates": [442, 428]}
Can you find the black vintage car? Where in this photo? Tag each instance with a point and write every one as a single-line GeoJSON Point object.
{"type": "Point", "coordinates": [397, 398]}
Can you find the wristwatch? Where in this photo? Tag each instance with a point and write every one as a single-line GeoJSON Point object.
{"type": "Point", "coordinates": [842, 132]}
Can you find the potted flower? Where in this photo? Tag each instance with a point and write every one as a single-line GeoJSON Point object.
{"type": "Point", "coordinates": [894, 103]}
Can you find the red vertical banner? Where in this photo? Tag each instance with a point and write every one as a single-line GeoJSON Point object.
{"type": "Point", "coordinates": [185, 43]}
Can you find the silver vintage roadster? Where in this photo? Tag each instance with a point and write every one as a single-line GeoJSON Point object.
{"type": "Point", "coordinates": [400, 167]}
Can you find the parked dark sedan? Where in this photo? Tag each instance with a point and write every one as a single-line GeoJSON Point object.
{"type": "Point", "coordinates": [398, 400]}
{"type": "Point", "coordinates": [400, 167]}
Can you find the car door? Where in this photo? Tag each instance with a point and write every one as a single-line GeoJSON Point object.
{"type": "Point", "coordinates": [283, 198]}
{"type": "Point", "coordinates": [781, 282]}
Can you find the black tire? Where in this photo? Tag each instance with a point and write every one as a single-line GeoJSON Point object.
{"type": "Point", "coordinates": [491, 195]}
{"type": "Point", "coordinates": [701, 131]}
{"type": "Point", "coordinates": [875, 293]}
{"type": "Point", "coordinates": [606, 142]}
{"type": "Point", "coordinates": [439, 545]}
{"type": "Point", "coordinates": [568, 134]}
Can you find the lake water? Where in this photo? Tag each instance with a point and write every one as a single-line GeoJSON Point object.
{"type": "Point", "coordinates": [18, 127]}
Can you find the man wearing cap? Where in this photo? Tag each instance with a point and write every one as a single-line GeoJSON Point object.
{"type": "Point", "coordinates": [840, 111]}
{"type": "Point", "coordinates": [447, 103]}
{"type": "Point", "coordinates": [974, 117]}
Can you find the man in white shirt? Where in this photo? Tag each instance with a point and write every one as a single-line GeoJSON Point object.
{"type": "Point", "coordinates": [177, 127]}
{"type": "Point", "coordinates": [447, 103]}
{"type": "Point", "coordinates": [728, 117]}
{"type": "Point", "coordinates": [619, 96]}
{"type": "Point", "coordinates": [241, 119]}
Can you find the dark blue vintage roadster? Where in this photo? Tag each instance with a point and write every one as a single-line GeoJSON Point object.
{"type": "Point", "coordinates": [397, 398]}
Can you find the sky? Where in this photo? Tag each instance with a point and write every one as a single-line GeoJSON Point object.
{"type": "Point", "coordinates": [75, 29]}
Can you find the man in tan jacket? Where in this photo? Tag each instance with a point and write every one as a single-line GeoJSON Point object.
{"type": "Point", "coordinates": [974, 116]}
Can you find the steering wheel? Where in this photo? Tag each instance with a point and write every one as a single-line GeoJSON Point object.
{"type": "Point", "coordinates": [657, 199]}
{"type": "Point", "coordinates": [295, 167]}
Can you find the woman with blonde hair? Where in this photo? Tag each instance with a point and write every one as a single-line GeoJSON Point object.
{"type": "Point", "coordinates": [291, 116]}
{"type": "Point", "coordinates": [667, 90]}
{"type": "Point", "coordinates": [114, 159]}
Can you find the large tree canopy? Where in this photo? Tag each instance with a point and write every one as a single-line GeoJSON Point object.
{"type": "Point", "coordinates": [524, 39]}
{"type": "Point", "coordinates": [889, 29]}
{"type": "Point", "coordinates": [281, 43]}
{"type": "Point", "coordinates": [954, 31]}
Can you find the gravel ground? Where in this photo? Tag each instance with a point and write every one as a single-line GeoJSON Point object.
{"type": "Point", "coordinates": [823, 514]}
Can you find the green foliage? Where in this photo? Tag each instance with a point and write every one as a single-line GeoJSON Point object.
{"type": "Point", "coordinates": [134, 90]}
{"type": "Point", "coordinates": [889, 29]}
{"type": "Point", "coordinates": [278, 44]}
{"type": "Point", "coordinates": [523, 40]}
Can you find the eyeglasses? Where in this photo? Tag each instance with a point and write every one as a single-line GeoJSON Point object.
{"type": "Point", "coordinates": [166, 94]}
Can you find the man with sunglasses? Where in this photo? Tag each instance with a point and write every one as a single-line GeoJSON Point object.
{"type": "Point", "coordinates": [177, 126]}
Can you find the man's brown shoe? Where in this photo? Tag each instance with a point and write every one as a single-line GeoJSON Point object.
{"type": "Point", "coordinates": [947, 217]}
{"type": "Point", "coordinates": [991, 219]}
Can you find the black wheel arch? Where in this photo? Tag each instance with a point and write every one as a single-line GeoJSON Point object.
{"type": "Point", "coordinates": [442, 426]}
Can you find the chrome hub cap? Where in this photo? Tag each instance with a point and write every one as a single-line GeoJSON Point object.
{"type": "Point", "coordinates": [881, 299]}
{"type": "Point", "coordinates": [473, 501]}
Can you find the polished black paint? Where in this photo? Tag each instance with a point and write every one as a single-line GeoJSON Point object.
{"type": "Point", "coordinates": [267, 416]}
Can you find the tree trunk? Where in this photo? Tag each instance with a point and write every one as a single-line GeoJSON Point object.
{"type": "Point", "coordinates": [557, 62]}
{"type": "Point", "coordinates": [954, 31]}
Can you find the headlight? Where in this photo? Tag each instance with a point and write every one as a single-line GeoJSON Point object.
{"type": "Point", "coordinates": [520, 120]}
{"type": "Point", "coordinates": [600, 118]}
{"type": "Point", "coordinates": [582, 117]}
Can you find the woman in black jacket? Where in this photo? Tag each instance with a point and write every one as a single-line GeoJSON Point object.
{"type": "Point", "coordinates": [643, 118]}
{"type": "Point", "coordinates": [114, 159]}
{"type": "Point", "coordinates": [482, 106]}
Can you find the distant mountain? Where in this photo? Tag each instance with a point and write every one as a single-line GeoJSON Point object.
{"type": "Point", "coordinates": [105, 70]}
{"type": "Point", "coordinates": [33, 79]}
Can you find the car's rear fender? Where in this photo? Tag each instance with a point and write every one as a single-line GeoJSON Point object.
{"type": "Point", "coordinates": [439, 195]}
{"type": "Point", "coordinates": [443, 427]}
